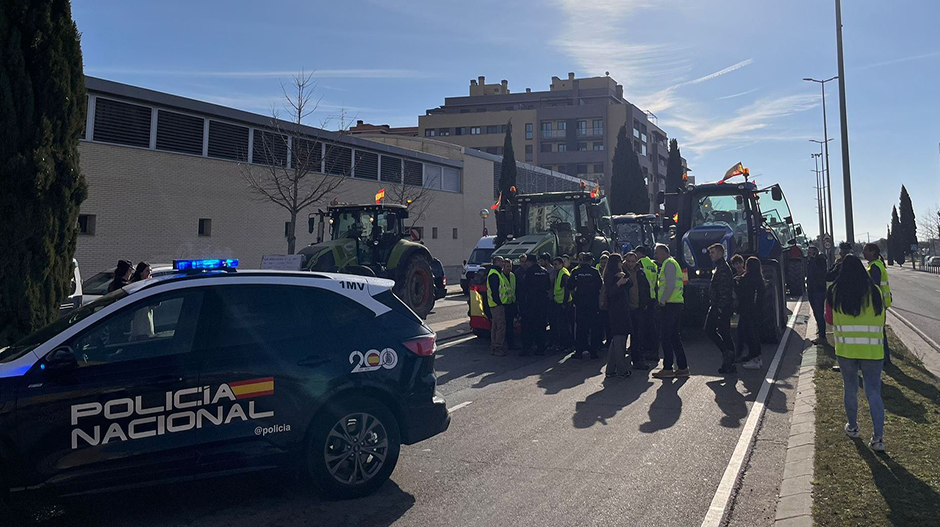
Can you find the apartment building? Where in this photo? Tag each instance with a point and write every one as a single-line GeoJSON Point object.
{"type": "Point", "coordinates": [571, 128]}
{"type": "Point", "coordinates": [167, 179]}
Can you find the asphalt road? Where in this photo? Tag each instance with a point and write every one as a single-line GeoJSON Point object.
{"type": "Point", "coordinates": [533, 441]}
{"type": "Point", "coordinates": [916, 297]}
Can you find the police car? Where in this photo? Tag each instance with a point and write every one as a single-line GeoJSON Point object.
{"type": "Point", "coordinates": [213, 371]}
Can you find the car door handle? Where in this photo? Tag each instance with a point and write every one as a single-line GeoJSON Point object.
{"type": "Point", "coordinates": [313, 361]}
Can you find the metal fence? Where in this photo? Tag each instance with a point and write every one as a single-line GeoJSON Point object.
{"type": "Point", "coordinates": [926, 267]}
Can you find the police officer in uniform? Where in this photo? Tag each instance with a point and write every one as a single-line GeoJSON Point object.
{"type": "Point", "coordinates": [648, 320]}
{"type": "Point", "coordinates": [586, 283]}
{"type": "Point", "coordinates": [534, 295]}
{"type": "Point", "coordinates": [669, 289]}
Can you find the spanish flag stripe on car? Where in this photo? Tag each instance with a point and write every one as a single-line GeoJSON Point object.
{"type": "Point", "coordinates": [252, 388]}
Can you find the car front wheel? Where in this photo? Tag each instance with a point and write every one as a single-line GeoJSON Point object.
{"type": "Point", "coordinates": [353, 448]}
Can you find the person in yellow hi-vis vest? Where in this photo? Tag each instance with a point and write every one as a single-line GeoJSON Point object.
{"type": "Point", "coordinates": [879, 275]}
{"type": "Point", "coordinates": [858, 322]}
{"type": "Point", "coordinates": [497, 296]}
{"type": "Point", "coordinates": [649, 328]}
{"type": "Point", "coordinates": [669, 294]}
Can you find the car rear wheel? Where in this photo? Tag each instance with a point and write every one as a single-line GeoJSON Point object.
{"type": "Point", "coordinates": [353, 448]}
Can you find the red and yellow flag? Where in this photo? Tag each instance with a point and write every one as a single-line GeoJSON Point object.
{"type": "Point", "coordinates": [736, 170]}
{"type": "Point", "coordinates": [252, 388]}
{"type": "Point", "coordinates": [380, 196]}
{"type": "Point", "coordinates": [498, 201]}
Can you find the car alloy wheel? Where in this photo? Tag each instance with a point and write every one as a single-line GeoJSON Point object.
{"type": "Point", "coordinates": [356, 448]}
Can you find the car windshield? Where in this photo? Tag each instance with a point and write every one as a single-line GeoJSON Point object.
{"type": "Point", "coordinates": [31, 341]}
{"type": "Point", "coordinates": [98, 284]}
{"type": "Point", "coordinates": [545, 217]}
{"type": "Point", "coordinates": [360, 223]}
{"type": "Point", "coordinates": [480, 256]}
{"type": "Point", "coordinates": [777, 224]}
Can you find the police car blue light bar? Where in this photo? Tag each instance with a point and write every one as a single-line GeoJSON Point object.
{"type": "Point", "coordinates": [209, 263]}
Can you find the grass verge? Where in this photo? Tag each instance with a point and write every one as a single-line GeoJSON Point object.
{"type": "Point", "coordinates": [855, 486]}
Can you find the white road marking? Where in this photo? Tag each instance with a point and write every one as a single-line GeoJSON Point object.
{"type": "Point", "coordinates": [716, 511]}
{"type": "Point", "coordinates": [459, 406]}
{"type": "Point", "coordinates": [455, 342]}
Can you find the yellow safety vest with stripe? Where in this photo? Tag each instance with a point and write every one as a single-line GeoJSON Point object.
{"type": "Point", "coordinates": [559, 291]}
{"type": "Point", "coordinates": [676, 296]}
{"type": "Point", "coordinates": [885, 287]}
{"type": "Point", "coordinates": [860, 337]}
{"type": "Point", "coordinates": [651, 272]}
{"type": "Point", "coordinates": [507, 288]}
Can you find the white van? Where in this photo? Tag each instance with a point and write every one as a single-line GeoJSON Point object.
{"type": "Point", "coordinates": [481, 255]}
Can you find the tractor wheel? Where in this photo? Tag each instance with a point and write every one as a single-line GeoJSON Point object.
{"type": "Point", "coordinates": [796, 277]}
{"type": "Point", "coordinates": [772, 323]}
{"type": "Point", "coordinates": [415, 286]}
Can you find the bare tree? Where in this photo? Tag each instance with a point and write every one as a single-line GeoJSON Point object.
{"type": "Point", "coordinates": [928, 226]}
{"type": "Point", "coordinates": [293, 166]}
{"type": "Point", "coordinates": [418, 198]}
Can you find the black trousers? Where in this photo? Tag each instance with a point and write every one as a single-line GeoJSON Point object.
{"type": "Point", "coordinates": [534, 320]}
{"type": "Point", "coordinates": [637, 338]}
{"type": "Point", "coordinates": [818, 303]}
{"type": "Point", "coordinates": [589, 330]}
{"type": "Point", "coordinates": [511, 311]}
{"type": "Point", "coordinates": [718, 330]}
{"type": "Point", "coordinates": [670, 320]}
{"type": "Point", "coordinates": [561, 326]}
{"type": "Point", "coordinates": [749, 334]}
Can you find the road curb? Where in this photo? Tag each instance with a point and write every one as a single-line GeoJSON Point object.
{"type": "Point", "coordinates": [795, 500]}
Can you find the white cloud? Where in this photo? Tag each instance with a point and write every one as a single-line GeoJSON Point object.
{"type": "Point", "coordinates": [320, 74]}
{"type": "Point", "coordinates": [736, 95]}
{"type": "Point", "coordinates": [901, 59]}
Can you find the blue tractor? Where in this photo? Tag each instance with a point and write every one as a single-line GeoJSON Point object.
{"type": "Point", "coordinates": [633, 230]}
{"type": "Point", "coordinates": [746, 221]}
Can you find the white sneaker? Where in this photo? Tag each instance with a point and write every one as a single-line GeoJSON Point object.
{"type": "Point", "coordinates": [877, 444]}
{"type": "Point", "coordinates": [753, 364]}
{"type": "Point", "coordinates": [851, 432]}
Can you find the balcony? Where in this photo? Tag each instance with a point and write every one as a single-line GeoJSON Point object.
{"type": "Point", "coordinates": [554, 134]}
{"type": "Point", "coordinates": [590, 132]}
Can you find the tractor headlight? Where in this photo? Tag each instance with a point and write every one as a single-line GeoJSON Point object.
{"type": "Point", "coordinates": [687, 254]}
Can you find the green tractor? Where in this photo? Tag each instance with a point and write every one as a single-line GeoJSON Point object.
{"type": "Point", "coordinates": [370, 240]}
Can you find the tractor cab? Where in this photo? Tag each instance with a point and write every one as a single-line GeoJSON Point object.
{"type": "Point", "coordinates": [633, 230]}
{"type": "Point", "coordinates": [559, 223]}
{"type": "Point", "coordinates": [374, 228]}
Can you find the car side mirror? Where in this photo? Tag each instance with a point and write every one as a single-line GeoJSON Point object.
{"type": "Point", "coordinates": [775, 193]}
{"type": "Point", "coordinates": [660, 197]}
{"type": "Point", "coordinates": [61, 359]}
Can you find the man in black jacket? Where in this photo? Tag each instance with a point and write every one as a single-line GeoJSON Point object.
{"type": "Point", "coordinates": [535, 289]}
{"type": "Point", "coordinates": [816, 290]}
{"type": "Point", "coordinates": [721, 306]}
{"type": "Point", "coordinates": [586, 284]}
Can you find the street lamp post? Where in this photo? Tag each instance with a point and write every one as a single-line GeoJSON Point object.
{"type": "Point", "coordinates": [825, 143]}
{"type": "Point", "coordinates": [819, 203]}
{"type": "Point", "coordinates": [484, 214]}
{"type": "Point", "coordinates": [827, 197]}
{"type": "Point", "coordinates": [846, 178]}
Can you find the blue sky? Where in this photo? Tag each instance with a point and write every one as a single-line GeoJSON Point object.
{"type": "Point", "coordinates": [724, 78]}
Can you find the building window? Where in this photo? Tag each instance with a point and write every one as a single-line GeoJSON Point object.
{"type": "Point", "coordinates": [545, 147]}
{"type": "Point", "coordinates": [642, 137]}
{"type": "Point", "coordinates": [562, 147]}
{"type": "Point", "coordinates": [492, 129]}
{"type": "Point", "coordinates": [561, 125]}
{"type": "Point", "coordinates": [475, 130]}
{"type": "Point", "coordinates": [582, 127]}
{"type": "Point", "coordinates": [643, 149]}
{"type": "Point", "coordinates": [528, 153]}
{"type": "Point", "coordinates": [582, 146]}
{"type": "Point", "coordinates": [465, 110]}
{"type": "Point", "coordinates": [205, 227]}
{"type": "Point", "coordinates": [86, 224]}
{"type": "Point", "coordinates": [455, 233]}
{"type": "Point", "coordinates": [547, 126]}
{"type": "Point", "coordinates": [582, 169]}
{"type": "Point", "coordinates": [430, 133]}
{"type": "Point", "coordinates": [433, 233]}
{"type": "Point", "coordinates": [481, 110]}
{"type": "Point", "coordinates": [502, 129]}
{"type": "Point", "coordinates": [598, 168]}
{"type": "Point", "coordinates": [444, 131]}
{"type": "Point", "coordinates": [528, 130]}
{"type": "Point", "coordinates": [460, 130]}
{"type": "Point", "coordinates": [598, 127]}
{"type": "Point", "coordinates": [598, 146]}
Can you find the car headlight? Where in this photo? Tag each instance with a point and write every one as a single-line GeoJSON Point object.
{"type": "Point", "coordinates": [687, 254]}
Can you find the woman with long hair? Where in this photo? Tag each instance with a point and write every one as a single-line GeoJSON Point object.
{"type": "Point", "coordinates": [616, 289]}
{"type": "Point", "coordinates": [750, 291]}
{"type": "Point", "coordinates": [122, 275]}
{"type": "Point", "coordinates": [142, 272]}
{"type": "Point", "coordinates": [858, 319]}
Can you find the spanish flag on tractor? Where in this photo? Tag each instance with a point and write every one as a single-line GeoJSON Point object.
{"type": "Point", "coordinates": [736, 170]}
{"type": "Point", "coordinates": [380, 196]}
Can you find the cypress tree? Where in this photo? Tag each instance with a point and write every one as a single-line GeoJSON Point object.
{"type": "Point", "coordinates": [897, 244]}
{"type": "Point", "coordinates": [619, 197]}
{"type": "Point", "coordinates": [908, 222]}
{"type": "Point", "coordinates": [638, 197]}
{"type": "Point", "coordinates": [42, 110]}
{"type": "Point", "coordinates": [507, 186]}
{"type": "Point", "coordinates": [673, 179]}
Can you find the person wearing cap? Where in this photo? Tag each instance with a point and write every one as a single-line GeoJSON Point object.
{"type": "Point", "coordinates": [122, 275]}
{"type": "Point", "coordinates": [585, 284]}
{"type": "Point", "coordinates": [535, 289]}
{"type": "Point", "coordinates": [497, 294]}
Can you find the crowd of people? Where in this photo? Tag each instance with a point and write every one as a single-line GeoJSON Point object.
{"type": "Point", "coordinates": [630, 305]}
